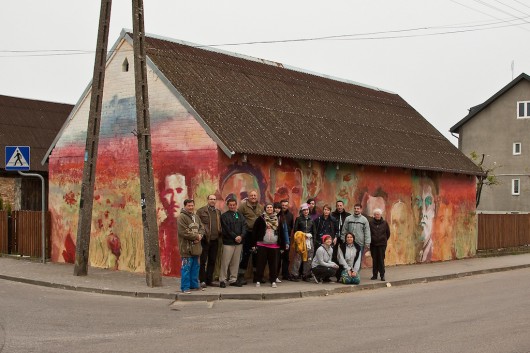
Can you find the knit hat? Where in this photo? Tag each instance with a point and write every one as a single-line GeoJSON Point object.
{"type": "Point", "coordinates": [325, 236]}
{"type": "Point", "coordinates": [304, 206]}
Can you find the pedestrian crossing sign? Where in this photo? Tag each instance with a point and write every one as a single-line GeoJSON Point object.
{"type": "Point", "coordinates": [17, 158]}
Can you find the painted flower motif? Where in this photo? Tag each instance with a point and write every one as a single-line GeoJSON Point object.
{"type": "Point", "coordinates": [69, 198]}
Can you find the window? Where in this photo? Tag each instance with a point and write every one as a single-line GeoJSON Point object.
{"type": "Point", "coordinates": [516, 148]}
{"type": "Point", "coordinates": [523, 109]}
{"type": "Point", "coordinates": [125, 65]}
{"type": "Point", "coordinates": [516, 187]}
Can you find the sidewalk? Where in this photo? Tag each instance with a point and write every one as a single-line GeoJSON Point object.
{"type": "Point", "coordinates": [59, 275]}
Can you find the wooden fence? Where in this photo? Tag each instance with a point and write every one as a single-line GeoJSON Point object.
{"type": "Point", "coordinates": [26, 233]}
{"type": "Point", "coordinates": [496, 231]}
{"type": "Point", "coordinates": [4, 233]}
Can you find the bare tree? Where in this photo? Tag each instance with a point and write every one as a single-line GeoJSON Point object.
{"type": "Point", "coordinates": [488, 176]}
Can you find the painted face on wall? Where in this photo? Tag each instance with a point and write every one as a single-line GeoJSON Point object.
{"type": "Point", "coordinates": [314, 181]}
{"type": "Point", "coordinates": [443, 231]}
{"type": "Point", "coordinates": [346, 189]}
{"type": "Point", "coordinates": [175, 192]}
{"type": "Point", "coordinates": [427, 207]}
{"type": "Point", "coordinates": [288, 186]}
{"type": "Point", "coordinates": [402, 244]}
{"type": "Point", "coordinates": [370, 203]}
{"type": "Point", "coordinates": [239, 184]}
{"type": "Point", "coordinates": [425, 204]}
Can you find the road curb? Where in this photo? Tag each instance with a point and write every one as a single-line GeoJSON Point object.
{"type": "Point", "coordinates": [319, 290]}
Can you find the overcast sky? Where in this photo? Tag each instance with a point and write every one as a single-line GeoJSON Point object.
{"type": "Point", "coordinates": [441, 56]}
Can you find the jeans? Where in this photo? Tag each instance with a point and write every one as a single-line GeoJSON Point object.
{"type": "Point", "coordinates": [189, 273]}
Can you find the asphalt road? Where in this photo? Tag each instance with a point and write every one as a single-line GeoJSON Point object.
{"type": "Point", "coordinates": [486, 313]}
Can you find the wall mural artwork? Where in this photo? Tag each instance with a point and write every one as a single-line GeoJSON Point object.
{"type": "Point", "coordinates": [431, 219]}
{"type": "Point", "coordinates": [431, 215]}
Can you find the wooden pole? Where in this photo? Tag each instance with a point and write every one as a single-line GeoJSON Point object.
{"type": "Point", "coordinates": [91, 150]}
{"type": "Point", "coordinates": [147, 189]}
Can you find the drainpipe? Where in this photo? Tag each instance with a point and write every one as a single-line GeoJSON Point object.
{"type": "Point", "coordinates": [43, 225]}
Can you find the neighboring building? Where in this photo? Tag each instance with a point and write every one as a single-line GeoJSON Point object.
{"type": "Point", "coordinates": [499, 128]}
{"type": "Point", "coordinates": [33, 123]}
{"type": "Point", "coordinates": [224, 123]}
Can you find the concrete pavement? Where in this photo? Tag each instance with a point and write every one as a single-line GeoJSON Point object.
{"type": "Point", "coordinates": [60, 275]}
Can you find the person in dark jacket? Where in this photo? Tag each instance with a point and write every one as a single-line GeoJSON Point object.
{"type": "Point", "coordinates": [340, 214]}
{"type": "Point", "coordinates": [312, 209]}
{"type": "Point", "coordinates": [211, 220]}
{"type": "Point", "coordinates": [286, 217]}
{"type": "Point", "coordinates": [268, 241]}
{"type": "Point", "coordinates": [234, 227]}
{"type": "Point", "coordinates": [326, 224]}
{"type": "Point", "coordinates": [380, 232]}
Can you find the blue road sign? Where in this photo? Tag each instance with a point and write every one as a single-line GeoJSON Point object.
{"type": "Point", "coordinates": [17, 158]}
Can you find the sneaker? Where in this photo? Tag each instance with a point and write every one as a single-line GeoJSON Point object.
{"type": "Point", "coordinates": [236, 284]}
{"type": "Point", "coordinates": [258, 284]}
{"type": "Point", "coordinates": [222, 284]}
{"type": "Point", "coordinates": [186, 291]}
{"type": "Point", "coordinates": [314, 278]}
{"type": "Point", "coordinates": [203, 285]}
{"type": "Point", "coordinates": [274, 285]}
{"type": "Point", "coordinates": [278, 280]}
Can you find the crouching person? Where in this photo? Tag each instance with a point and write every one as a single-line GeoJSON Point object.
{"type": "Point", "coordinates": [349, 258]}
{"type": "Point", "coordinates": [323, 267]}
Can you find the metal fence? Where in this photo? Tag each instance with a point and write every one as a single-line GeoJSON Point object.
{"type": "Point", "coordinates": [496, 231]}
{"type": "Point", "coordinates": [25, 234]}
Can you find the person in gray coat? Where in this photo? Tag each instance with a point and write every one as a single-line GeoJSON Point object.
{"type": "Point", "coordinates": [358, 225]}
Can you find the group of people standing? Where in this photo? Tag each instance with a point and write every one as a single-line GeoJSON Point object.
{"type": "Point", "coordinates": [311, 247]}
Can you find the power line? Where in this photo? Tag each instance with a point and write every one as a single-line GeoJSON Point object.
{"type": "Point", "coordinates": [349, 37]}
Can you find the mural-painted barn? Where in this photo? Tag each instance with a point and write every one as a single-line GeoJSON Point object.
{"type": "Point", "coordinates": [225, 124]}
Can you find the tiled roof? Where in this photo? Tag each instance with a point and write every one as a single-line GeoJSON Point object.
{"type": "Point", "coordinates": [28, 122]}
{"type": "Point", "coordinates": [258, 107]}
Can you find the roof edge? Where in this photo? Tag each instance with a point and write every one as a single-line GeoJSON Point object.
{"type": "Point", "coordinates": [477, 171]}
{"type": "Point", "coordinates": [490, 100]}
{"type": "Point", "coordinates": [262, 61]}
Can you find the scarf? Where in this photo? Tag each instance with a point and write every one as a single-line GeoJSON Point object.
{"type": "Point", "coordinates": [271, 221]}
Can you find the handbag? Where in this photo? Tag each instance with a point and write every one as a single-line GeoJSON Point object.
{"type": "Point", "coordinates": [345, 278]}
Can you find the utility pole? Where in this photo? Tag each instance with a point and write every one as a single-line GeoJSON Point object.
{"type": "Point", "coordinates": [92, 138]}
{"type": "Point", "coordinates": [153, 275]}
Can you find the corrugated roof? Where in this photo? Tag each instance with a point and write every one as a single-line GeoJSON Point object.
{"type": "Point", "coordinates": [478, 108]}
{"type": "Point", "coordinates": [259, 107]}
{"type": "Point", "coordinates": [28, 122]}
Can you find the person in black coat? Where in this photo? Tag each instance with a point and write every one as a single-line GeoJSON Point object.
{"type": "Point", "coordinates": [268, 241]}
{"type": "Point", "coordinates": [380, 232]}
